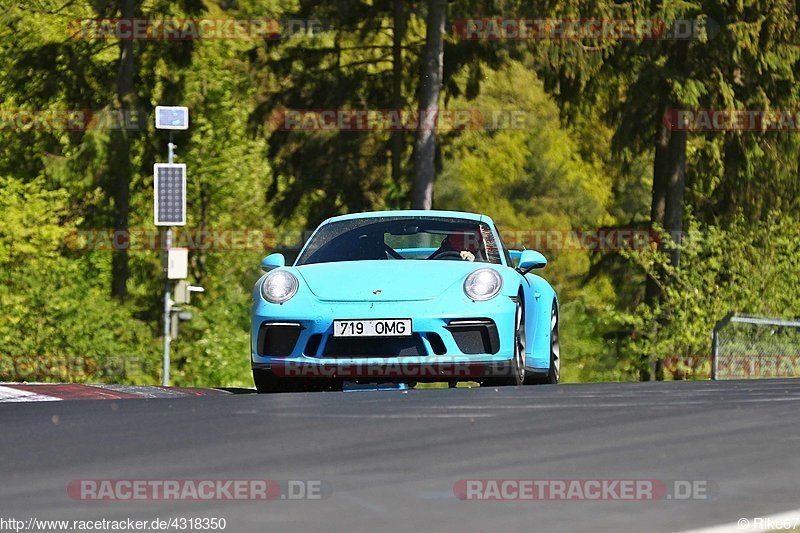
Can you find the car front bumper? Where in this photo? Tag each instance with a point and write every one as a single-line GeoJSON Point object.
{"type": "Point", "coordinates": [450, 340]}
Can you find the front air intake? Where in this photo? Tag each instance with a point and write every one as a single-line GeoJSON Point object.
{"type": "Point", "coordinates": [475, 335]}
{"type": "Point", "coordinates": [278, 339]}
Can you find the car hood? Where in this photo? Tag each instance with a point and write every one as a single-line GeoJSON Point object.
{"type": "Point", "coordinates": [384, 281]}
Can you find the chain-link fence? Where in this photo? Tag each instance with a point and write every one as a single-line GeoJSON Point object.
{"type": "Point", "coordinates": [745, 346]}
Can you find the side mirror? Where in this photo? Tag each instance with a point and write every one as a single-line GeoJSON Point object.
{"type": "Point", "coordinates": [531, 260]}
{"type": "Point", "coordinates": [273, 261]}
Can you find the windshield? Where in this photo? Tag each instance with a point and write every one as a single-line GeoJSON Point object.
{"type": "Point", "coordinates": [402, 238]}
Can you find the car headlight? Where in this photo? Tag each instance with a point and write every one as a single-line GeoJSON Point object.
{"type": "Point", "coordinates": [483, 284]}
{"type": "Point", "coordinates": [279, 286]}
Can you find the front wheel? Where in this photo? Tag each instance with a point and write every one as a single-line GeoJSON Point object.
{"type": "Point", "coordinates": [555, 349]}
{"type": "Point", "coordinates": [554, 373]}
{"type": "Point", "coordinates": [517, 372]}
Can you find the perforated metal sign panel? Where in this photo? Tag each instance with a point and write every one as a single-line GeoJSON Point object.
{"type": "Point", "coordinates": [170, 194]}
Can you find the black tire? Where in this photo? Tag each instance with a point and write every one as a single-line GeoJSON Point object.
{"type": "Point", "coordinates": [517, 372]}
{"type": "Point", "coordinates": [554, 376]}
{"type": "Point", "coordinates": [554, 372]}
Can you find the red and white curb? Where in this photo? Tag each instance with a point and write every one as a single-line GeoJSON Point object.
{"type": "Point", "coordinates": [46, 392]}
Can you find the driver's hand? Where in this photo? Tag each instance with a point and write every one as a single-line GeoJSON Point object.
{"type": "Point", "coordinates": [467, 255]}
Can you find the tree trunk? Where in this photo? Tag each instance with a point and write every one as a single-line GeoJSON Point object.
{"type": "Point", "coordinates": [666, 212]}
{"type": "Point", "coordinates": [657, 210]}
{"type": "Point", "coordinates": [120, 169]}
{"type": "Point", "coordinates": [676, 177]}
{"type": "Point", "coordinates": [430, 86]}
{"type": "Point", "coordinates": [725, 201]}
{"type": "Point", "coordinates": [660, 171]}
{"type": "Point", "coordinates": [399, 32]}
{"type": "Point", "coordinates": [676, 181]}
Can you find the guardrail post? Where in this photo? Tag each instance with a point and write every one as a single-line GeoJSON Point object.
{"type": "Point", "coordinates": [714, 353]}
{"type": "Point", "coordinates": [715, 344]}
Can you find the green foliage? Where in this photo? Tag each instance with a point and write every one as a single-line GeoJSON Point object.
{"type": "Point", "coordinates": [534, 179]}
{"type": "Point", "coordinates": [580, 159]}
{"type": "Point", "coordinates": [60, 324]}
{"type": "Point", "coordinates": [746, 267]}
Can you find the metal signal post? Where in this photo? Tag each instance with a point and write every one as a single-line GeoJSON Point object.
{"type": "Point", "coordinates": [169, 197]}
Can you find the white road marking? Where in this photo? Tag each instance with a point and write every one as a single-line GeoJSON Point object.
{"type": "Point", "coordinates": [782, 521]}
{"type": "Point", "coordinates": [10, 394]}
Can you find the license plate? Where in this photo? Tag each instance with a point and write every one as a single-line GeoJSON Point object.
{"type": "Point", "coordinates": [392, 327]}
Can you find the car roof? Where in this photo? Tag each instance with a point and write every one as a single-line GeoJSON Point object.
{"type": "Point", "coordinates": [413, 213]}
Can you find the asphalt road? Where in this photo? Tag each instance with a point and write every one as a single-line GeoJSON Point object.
{"type": "Point", "coordinates": [389, 460]}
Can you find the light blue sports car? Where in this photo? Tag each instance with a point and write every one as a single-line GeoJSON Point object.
{"type": "Point", "coordinates": [404, 296]}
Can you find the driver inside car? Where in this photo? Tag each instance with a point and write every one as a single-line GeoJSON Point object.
{"type": "Point", "coordinates": [466, 245]}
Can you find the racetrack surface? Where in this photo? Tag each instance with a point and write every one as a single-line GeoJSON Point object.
{"type": "Point", "coordinates": [390, 459]}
